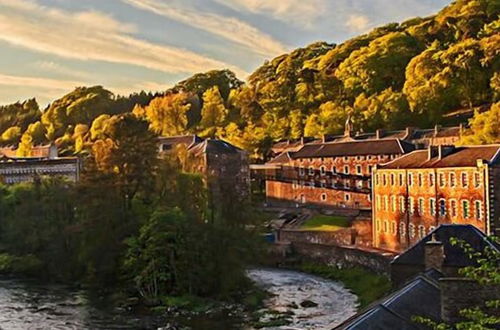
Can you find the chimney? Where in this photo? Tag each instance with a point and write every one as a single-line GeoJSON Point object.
{"type": "Point", "coordinates": [436, 129]}
{"type": "Point", "coordinates": [432, 151]}
{"type": "Point", "coordinates": [302, 140]}
{"type": "Point", "coordinates": [434, 254]}
{"type": "Point", "coordinates": [409, 132]}
{"type": "Point", "coordinates": [323, 138]}
{"type": "Point", "coordinates": [444, 151]}
{"type": "Point", "coordinates": [379, 133]}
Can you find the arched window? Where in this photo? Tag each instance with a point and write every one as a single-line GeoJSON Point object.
{"type": "Point", "coordinates": [421, 231]}
{"type": "Point", "coordinates": [322, 170]}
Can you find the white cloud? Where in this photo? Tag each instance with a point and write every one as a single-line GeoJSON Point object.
{"type": "Point", "coordinates": [296, 12]}
{"type": "Point", "coordinates": [43, 83]}
{"type": "Point", "coordinates": [358, 23]}
{"type": "Point", "coordinates": [53, 67]}
{"type": "Point", "coordinates": [228, 28]}
{"type": "Point", "coordinates": [93, 36]}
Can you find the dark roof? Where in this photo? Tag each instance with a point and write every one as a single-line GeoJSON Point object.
{"type": "Point", "coordinates": [283, 157]}
{"type": "Point", "coordinates": [459, 157]}
{"type": "Point", "coordinates": [181, 139]}
{"type": "Point", "coordinates": [419, 297]}
{"type": "Point", "coordinates": [354, 148]}
{"type": "Point", "coordinates": [454, 255]}
{"type": "Point", "coordinates": [214, 146]}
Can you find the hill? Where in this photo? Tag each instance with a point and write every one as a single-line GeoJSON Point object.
{"type": "Point", "coordinates": [420, 72]}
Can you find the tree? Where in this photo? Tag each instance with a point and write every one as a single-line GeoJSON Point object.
{"type": "Point", "coordinates": [11, 136]}
{"type": "Point", "coordinates": [168, 115]}
{"type": "Point", "coordinates": [484, 127]}
{"type": "Point", "coordinates": [213, 113]}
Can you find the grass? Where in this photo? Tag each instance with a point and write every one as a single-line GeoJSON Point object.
{"type": "Point", "coordinates": [368, 286]}
{"type": "Point", "coordinates": [326, 223]}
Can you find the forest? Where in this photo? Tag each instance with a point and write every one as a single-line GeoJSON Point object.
{"type": "Point", "coordinates": [442, 69]}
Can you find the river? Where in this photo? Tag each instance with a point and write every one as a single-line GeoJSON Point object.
{"type": "Point", "coordinates": [29, 305]}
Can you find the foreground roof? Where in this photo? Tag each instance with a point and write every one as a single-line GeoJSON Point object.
{"type": "Point", "coordinates": [419, 297]}
{"type": "Point", "coordinates": [454, 255]}
{"type": "Point", "coordinates": [465, 156]}
{"type": "Point", "coordinates": [354, 148]}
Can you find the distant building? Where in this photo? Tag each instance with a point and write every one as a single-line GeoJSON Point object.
{"type": "Point", "coordinates": [416, 193]}
{"type": "Point", "coordinates": [421, 138]}
{"type": "Point", "coordinates": [223, 165]}
{"type": "Point", "coordinates": [428, 285]}
{"type": "Point", "coordinates": [336, 173]}
{"type": "Point", "coordinates": [43, 162]}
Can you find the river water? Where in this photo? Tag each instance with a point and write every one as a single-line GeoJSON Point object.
{"type": "Point", "coordinates": [29, 305]}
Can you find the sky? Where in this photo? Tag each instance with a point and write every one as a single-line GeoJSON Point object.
{"type": "Point", "coordinates": [49, 47]}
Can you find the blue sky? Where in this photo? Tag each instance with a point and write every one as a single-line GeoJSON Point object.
{"type": "Point", "coordinates": [48, 47]}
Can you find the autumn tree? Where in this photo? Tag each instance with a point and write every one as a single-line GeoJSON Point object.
{"type": "Point", "coordinates": [168, 115]}
{"type": "Point", "coordinates": [213, 113]}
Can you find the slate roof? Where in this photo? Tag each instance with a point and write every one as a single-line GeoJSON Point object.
{"type": "Point", "coordinates": [181, 139]}
{"type": "Point", "coordinates": [465, 156]}
{"type": "Point", "coordinates": [454, 255]}
{"type": "Point", "coordinates": [354, 148]}
{"type": "Point", "coordinates": [214, 146]}
{"type": "Point", "coordinates": [282, 158]}
{"type": "Point", "coordinates": [419, 297]}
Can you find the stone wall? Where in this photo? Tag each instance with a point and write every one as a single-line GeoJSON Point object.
{"type": "Point", "coordinates": [343, 257]}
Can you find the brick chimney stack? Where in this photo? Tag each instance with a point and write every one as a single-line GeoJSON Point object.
{"type": "Point", "coordinates": [379, 133]}
{"type": "Point", "coordinates": [434, 254]}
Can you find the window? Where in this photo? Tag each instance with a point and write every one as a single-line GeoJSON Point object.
{"type": "Point", "coordinates": [431, 229]}
{"type": "Point", "coordinates": [402, 230]}
{"type": "Point", "coordinates": [378, 225]}
{"type": "Point", "coordinates": [347, 184]}
{"type": "Point", "coordinates": [410, 205]}
{"type": "Point", "coordinates": [442, 180]}
{"type": "Point", "coordinates": [465, 209]}
{"type": "Point", "coordinates": [431, 179]}
{"type": "Point", "coordinates": [370, 169]}
{"type": "Point", "coordinates": [323, 197]}
{"type": "Point", "coordinates": [377, 181]}
{"type": "Point", "coordinates": [358, 157]}
{"type": "Point", "coordinates": [393, 228]}
{"type": "Point", "coordinates": [453, 208]}
{"type": "Point", "coordinates": [301, 171]}
{"type": "Point", "coordinates": [412, 230]}
{"type": "Point", "coordinates": [402, 204]}
{"type": "Point", "coordinates": [346, 169]}
{"type": "Point", "coordinates": [478, 210]}
{"type": "Point", "coordinates": [334, 169]}
{"type": "Point", "coordinates": [311, 184]}
{"type": "Point", "coordinates": [452, 180]}
{"type": "Point", "coordinates": [358, 169]}
{"type": "Point", "coordinates": [322, 170]}
{"type": "Point", "coordinates": [386, 203]}
{"type": "Point", "coordinates": [401, 179]}
{"type": "Point", "coordinates": [421, 206]}
{"type": "Point", "coordinates": [346, 158]}
{"type": "Point", "coordinates": [323, 183]}
{"type": "Point", "coordinates": [359, 184]}
{"type": "Point", "coordinates": [311, 170]}
{"type": "Point", "coordinates": [465, 179]}
{"type": "Point", "coordinates": [347, 197]}
{"type": "Point", "coordinates": [394, 204]}
{"type": "Point", "coordinates": [420, 179]}
{"type": "Point", "coordinates": [378, 203]}
{"type": "Point", "coordinates": [442, 207]}
{"type": "Point", "coordinates": [421, 231]}
{"type": "Point", "coordinates": [392, 179]}
{"type": "Point", "coordinates": [384, 180]}
{"type": "Point", "coordinates": [386, 226]}
{"type": "Point", "coordinates": [294, 184]}
{"type": "Point", "coordinates": [410, 179]}
{"type": "Point", "coordinates": [432, 206]}
{"type": "Point", "coordinates": [477, 179]}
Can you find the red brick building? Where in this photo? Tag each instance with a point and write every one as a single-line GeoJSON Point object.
{"type": "Point", "coordinates": [330, 173]}
{"type": "Point", "coordinates": [439, 185]}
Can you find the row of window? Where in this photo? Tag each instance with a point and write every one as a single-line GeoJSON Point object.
{"type": "Point", "coordinates": [323, 184]}
{"type": "Point", "coordinates": [323, 197]}
{"type": "Point", "coordinates": [413, 230]}
{"type": "Point", "coordinates": [399, 204]}
{"type": "Point", "coordinates": [346, 158]}
{"type": "Point", "coordinates": [323, 170]}
{"type": "Point", "coordinates": [419, 179]}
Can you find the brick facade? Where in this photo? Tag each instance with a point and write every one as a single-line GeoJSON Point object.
{"type": "Point", "coordinates": [410, 202]}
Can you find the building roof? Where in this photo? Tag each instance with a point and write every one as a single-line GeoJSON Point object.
{"type": "Point", "coordinates": [419, 297]}
{"type": "Point", "coordinates": [464, 156]}
{"type": "Point", "coordinates": [354, 148]}
{"type": "Point", "coordinates": [282, 158]}
{"type": "Point", "coordinates": [214, 146]}
{"type": "Point", "coordinates": [454, 255]}
{"type": "Point", "coordinates": [40, 151]}
{"type": "Point", "coordinates": [188, 140]}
